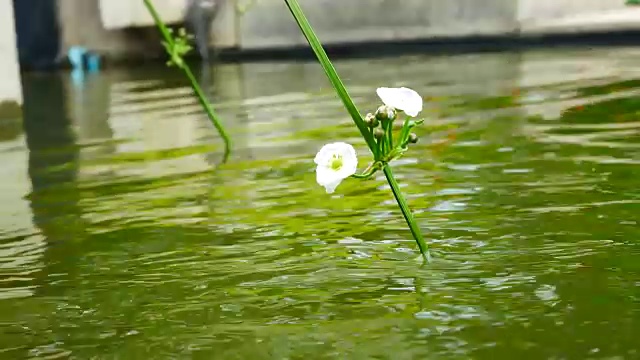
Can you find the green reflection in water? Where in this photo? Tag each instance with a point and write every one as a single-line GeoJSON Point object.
{"type": "Point", "coordinates": [121, 238]}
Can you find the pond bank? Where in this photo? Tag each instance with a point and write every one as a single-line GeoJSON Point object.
{"type": "Point", "coordinates": [121, 30]}
{"type": "Point", "coordinates": [266, 25]}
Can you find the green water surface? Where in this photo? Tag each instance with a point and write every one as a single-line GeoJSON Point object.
{"type": "Point", "coordinates": [122, 236]}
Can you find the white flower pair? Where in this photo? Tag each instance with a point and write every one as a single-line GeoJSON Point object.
{"type": "Point", "coordinates": [337, 161]}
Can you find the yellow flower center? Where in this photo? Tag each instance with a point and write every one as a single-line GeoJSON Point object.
{"type": "Point", "coordinates": [336, 162]}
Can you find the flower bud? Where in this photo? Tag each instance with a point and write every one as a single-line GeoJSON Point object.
{"type": "Point", "coordinates": [378, 133]}
{"type": "Point", "coordinates": [371, 120]}
{"type": "Point", "coordinates": [413, 138]}
{"type": "Point", "coordinates": [385, 113]}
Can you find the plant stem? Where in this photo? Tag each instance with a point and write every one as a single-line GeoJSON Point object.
{"type": "Point", "coordinates": [192, 80]}
{"type": "Point", "coordinates": [159, 23]}
{"type": "Point", "coordinates": [406, 212]}
{"type": "Point", "coordinates": [210, 112]}
{"type": "Point", "coordinates": [328, 68]}
{"type": "Point", "coordinates": [377, 148]}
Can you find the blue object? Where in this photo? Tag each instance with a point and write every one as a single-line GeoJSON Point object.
{"type": "Point", "coordinates": [93, 62]}
{"type": "Point", "coordinates": [82, 59]}
{"type": "Point", "coordinates": [76, 56]}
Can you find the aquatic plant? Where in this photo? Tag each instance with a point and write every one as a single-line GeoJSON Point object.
{"type": "Point", "coordinates": [337, 161]}
{"type": "Point", "coordinates": [177, 46]}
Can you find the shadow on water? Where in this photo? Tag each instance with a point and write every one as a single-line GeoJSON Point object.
{"type": "Point", "coordinates": [53, 154]}
{"type": "Point", "coordinates": [53, 168]}
{"type": "Point", "coordinates": [525, 179]}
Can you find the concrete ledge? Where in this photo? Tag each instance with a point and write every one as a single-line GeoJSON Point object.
{"type": "Point", "coordinates": [613, 20]}
{"type": "Point", "coordinates": [123, 28]}
{"type": "Point", "coordinates": [122, 31]}
{"type": "Point", "coordinates": [10, 89]}
{"type": "Point", "coordinates": [120, 14]}
{"type": "Point", "coordinates": [269, 24]}
{"type": "Point", "coordinates": [119, 29]}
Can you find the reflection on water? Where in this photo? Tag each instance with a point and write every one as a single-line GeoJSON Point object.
{"type": "Point", "coordinates": [122, 234]}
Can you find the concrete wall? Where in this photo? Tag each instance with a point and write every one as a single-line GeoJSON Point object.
{"type": "Point", "coordinates": [122, 14]}
{"type": "Point", "coordinates": [269, 24]}
{"type": "Point", "coordinates": [80, 23]}
{"type": "Point", "coordinates": [10, 89]}
{"type": "Point", "coordinates": [116, 26]}
{"type": "Point", "coordinates": [123, 27]}
{"type": "Point", "coordinates": [566, 16]}
{"type": "Point", "coordinates": [530, 10]}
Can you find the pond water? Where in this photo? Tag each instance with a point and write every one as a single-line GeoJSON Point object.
{"type": "Point", "coordinates": [122, 235]}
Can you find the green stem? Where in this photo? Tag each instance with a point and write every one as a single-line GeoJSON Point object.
{"type": "Point", "coordinates": [404, 133]}
{"type": "Point", "coordinates": [369, 171]}
{"type": "Point", "coordinates": [210, 112]}
{"type": "Point", "coordinates": [406, 212]}
{"type": "Point", "coordinates": [380, 148]}
{"type": "Point", "coordinates": [192, 80]}
{"type": "Point", "coordinates": [159, 23]}
{"type": "Point", "coordinates": [377, 148]}
{"type": "Point", "coordinates": [328, 68]}
{"type": "Point", "coordinates": [382, 141]}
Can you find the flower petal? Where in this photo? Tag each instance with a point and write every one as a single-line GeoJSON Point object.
{"type": "Point", "coordinates": [403, 99]}
{"type": "Point", "coordinates": [328, 150]}
{"type": "Point", "coordinates": [349, 162]}
{"type": "Point", "coordinates": [331, 187]}
{"type": "Point", "coordinates": [328, 178]}
{"type": "Point", "coordinates": [324, 155]}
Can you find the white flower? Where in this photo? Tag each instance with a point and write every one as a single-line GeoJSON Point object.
{"type": "Point", "coordinates": [403, 99]}
{"type": "Point", "coordinates": [336, 161]}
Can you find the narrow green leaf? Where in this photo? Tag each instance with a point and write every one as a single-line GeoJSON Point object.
{"type": "Point", "coordinates": [377, 148]}
{"type": "Point", "coordinates": [326, 64]}
{"type": "Point", "coordinates": [406, 212]}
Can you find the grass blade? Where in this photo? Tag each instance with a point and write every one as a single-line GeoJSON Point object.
{"type": "Point", "coordinates": [406, 212]}
{"type": "Point", "coordinates": [329, 69]}
{"type": "Point", "coordinates": [331, 73]}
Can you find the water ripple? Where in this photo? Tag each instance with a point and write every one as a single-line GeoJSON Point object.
{"type": "Point", "coordinates": [134, 240]}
